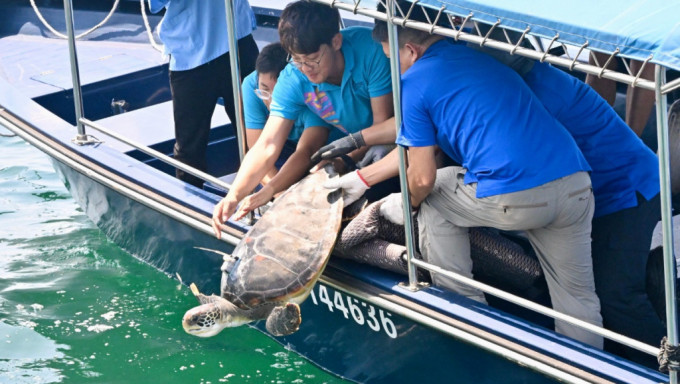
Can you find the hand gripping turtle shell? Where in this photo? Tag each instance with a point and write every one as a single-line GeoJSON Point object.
{"type": "Point", "coordinates": [276, 264]}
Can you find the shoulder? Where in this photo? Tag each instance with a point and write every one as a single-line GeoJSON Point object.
{"type": "Point", "coordinates": [359, 37]}
{"type": "Point", "coordinates": [356, 32]}
{"type": "Point", "coordinates": [250, 81]}
{"type": "Point", "coordinates": [291, 75]}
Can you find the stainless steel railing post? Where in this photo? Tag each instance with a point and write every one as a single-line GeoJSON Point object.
{"type": "Point", "coordinates": [403, 180]}
{"type": "Point", "coordinates": [666, 215]}
{"type": "Point", "coordinates": [75, 73]}
{"type": "Point", "coordinates": [235, 78]}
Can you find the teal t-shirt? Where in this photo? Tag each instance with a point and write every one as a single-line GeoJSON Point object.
{"type": "Point", "coordinates": [348, 106]}
{"type": "Point", "coordinates": [255, 112]}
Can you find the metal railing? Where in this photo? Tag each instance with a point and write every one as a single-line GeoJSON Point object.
{"type": "Point", "coordinates": [158, 155]}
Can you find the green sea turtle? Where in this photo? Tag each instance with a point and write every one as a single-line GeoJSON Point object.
{"type": "Point", "coordinates": [276, 264]}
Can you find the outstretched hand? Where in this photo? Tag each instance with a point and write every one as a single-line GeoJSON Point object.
{"type": "Point", "coordinates": [254, 201]}
{"type": "Point", "coordinates": [339, 147]}
{"type": "Point", "coordinates": [221, 213]}
{"type": "Point", "coordinates": [353, 187]}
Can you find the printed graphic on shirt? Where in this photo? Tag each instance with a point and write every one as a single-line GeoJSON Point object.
{"type": "Point", "coordinates": [321, 104]}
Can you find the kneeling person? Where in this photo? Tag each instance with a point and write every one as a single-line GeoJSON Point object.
{"type": "Point", "coordinates": [521, 170]}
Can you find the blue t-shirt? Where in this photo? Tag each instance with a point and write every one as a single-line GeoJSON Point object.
{"type": "Point", "coordinates": [622, 164]}
{"type": "Point", "coordinates": [483, 116]}
{"type": "Point", "coordinates": [195, 32]}
{"type": "Point", "coordinates": [348, 106]}
{"type": "Point", "coordinates": [256, 113]}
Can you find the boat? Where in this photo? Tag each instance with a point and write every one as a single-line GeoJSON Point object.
{"type": "Point", "coordinates": [360, 322]}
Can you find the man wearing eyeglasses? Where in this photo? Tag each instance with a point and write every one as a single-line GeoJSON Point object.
{"type": "Point", "coordinates": [309, 130]}
{"type": "Point", "coordinates": [341, 76]}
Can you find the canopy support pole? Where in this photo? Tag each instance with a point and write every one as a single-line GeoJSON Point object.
{"type": "Point", "coordinates": [81, 138]}
{"type": "Point", "coordinates": [235, 79]}
{"type": "Point", "coordinates": [666, 215]}
{"type": "Point", "coordinates": [403, 180]}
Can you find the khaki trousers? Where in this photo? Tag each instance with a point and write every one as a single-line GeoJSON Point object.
{"type": "Point", "coordinates": [556, 217]}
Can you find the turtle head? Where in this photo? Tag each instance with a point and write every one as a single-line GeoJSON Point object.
{"type": "Point", "coordinates": [209, 319]}
{"type": "Point", "coordinates": [203, 321]}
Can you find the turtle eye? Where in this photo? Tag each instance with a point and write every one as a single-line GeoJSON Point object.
{"type": "Point", "coordinates": [195, 318]}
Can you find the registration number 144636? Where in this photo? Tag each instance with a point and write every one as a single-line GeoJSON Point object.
{"type": "Point", "coordinates": [350, 306]}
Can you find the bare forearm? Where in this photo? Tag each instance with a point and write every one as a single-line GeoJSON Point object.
{"type": "Point", "coordinates": [260, 159]}
{"type": "Point", "coordinates": [380, 133]}
{"type": "Point", "coordinates": [256, 164]}
{"type": "Point", "coordinates": [269, 176]}
{"type": "Point", "coordinates": [421, 173]}
{"type": "Point", "coordinates": [292, 170]}
{"type": "Point", "coordinates": [381, 170]}
{"type": "Point", "coordinates": [418, 193]}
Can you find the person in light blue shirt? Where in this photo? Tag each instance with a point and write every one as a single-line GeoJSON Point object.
{"type": "Point", "coordinates": [257, 97]}
{"type": "Point", "coordinates": [194, 34]}
{"type": "Point", "coordinates": [342, 76]}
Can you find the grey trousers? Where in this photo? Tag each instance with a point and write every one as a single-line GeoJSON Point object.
{"type": "Point", "coordinates": [556, 217]}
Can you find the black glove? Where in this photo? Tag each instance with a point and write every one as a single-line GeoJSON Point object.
{"type": "Point", "coordinates": [339, 147]}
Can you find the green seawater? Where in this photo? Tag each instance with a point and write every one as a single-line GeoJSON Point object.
{"type": "Point", "coordinates": [75, 308]}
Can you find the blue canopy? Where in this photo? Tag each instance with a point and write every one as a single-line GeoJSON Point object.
{"type": "Point", "coordinates": [637, 28]}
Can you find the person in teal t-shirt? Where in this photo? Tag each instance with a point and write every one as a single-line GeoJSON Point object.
{"type": "Point", "coordinates": [257, 97]}
{"type": "Point", "coordinates": [343, 77]}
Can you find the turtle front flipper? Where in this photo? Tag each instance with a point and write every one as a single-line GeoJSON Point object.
{"type": "Point", "coordinates": [284, 320]}
{"type": "Point", "coordinates": [203, 299]}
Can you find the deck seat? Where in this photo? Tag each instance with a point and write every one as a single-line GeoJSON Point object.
{"type": "Point", "coordinates": [154, 126]}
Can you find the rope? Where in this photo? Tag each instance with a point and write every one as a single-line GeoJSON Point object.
{"type": "Point", "coordinates": [155, 45]}
{"type": "Point", "coordinates": [61, 35]}
{"type": "Point", "coordinates": [668, 356]}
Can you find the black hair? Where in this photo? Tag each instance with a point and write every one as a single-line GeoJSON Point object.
{"type": "Point", "coordinates": [305, 25]}
{"type": "Point", "coordinates": [271, 60]}
{"type": "Point", "coordinates": [405, 34]}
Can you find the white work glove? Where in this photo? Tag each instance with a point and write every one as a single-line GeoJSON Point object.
{"type": "Point", "coordinates": [353, 187]}
{"type": "Point", "coordinates": [374, 154]}
{"type": "Point", "coordinates": [391, 208]}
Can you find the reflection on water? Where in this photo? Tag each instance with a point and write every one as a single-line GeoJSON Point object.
{"type": "Point", "coordinates": [24, 352]}
{"type": "Point", "coordinates": [75, 308]}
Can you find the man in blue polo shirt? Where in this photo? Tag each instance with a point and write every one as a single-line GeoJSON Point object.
{"type": "Point", "coordinates": [521, 170]}
{"type": "Point", "coordinates": [625, 181]}
{"type": "Point", "coordinates": [342, 76]}
{"type": "Point", "coordinates": [194, 34]}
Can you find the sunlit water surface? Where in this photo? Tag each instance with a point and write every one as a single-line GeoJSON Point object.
{"type": "Point", "coordinates": [75, 308]}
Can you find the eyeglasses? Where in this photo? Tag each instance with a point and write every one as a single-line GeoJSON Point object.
{"type": "Point", "coordinates": [263, 95]}
{"type": "Point", "coordinates": [312, 64]}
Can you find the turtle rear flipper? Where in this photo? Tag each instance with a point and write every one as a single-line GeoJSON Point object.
{"type": "Point", "coordinates": [284, 320]}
